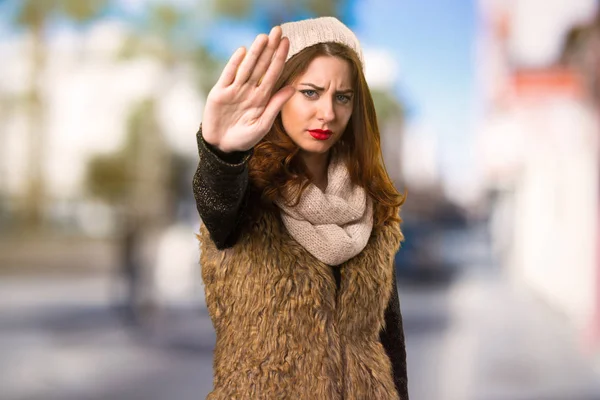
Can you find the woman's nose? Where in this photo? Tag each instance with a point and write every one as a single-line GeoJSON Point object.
{"type": "Point", "coordinates": [326, 110]}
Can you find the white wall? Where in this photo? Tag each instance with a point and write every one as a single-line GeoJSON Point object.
{"type": "Point", "coordinates": [556, 206]}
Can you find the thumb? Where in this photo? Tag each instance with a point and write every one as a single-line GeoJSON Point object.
{"type": "Point", "coordinates": [276, 104]}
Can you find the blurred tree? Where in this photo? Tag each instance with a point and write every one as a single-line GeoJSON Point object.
{"type": "Point", "coordinates": [135, 180]}
{"type": "Point", "coordinates": [166, 34]}
{"type": "Point", "coordinates": [140, 178]}
{"type": "Point", "coordinates": [390, 116]}
{"type": "Point", "coordinates": [388, 107]}
{"type": "Point", "coordinates": [275, 12]}
{"type": "Point", "coordinates": [108, 177]}
{"type": "Point", "coordinates": [132, 179]}
{"type": "Point", "coordinates": [7, 105]}
{"type": "Point", "coordinates": [36, 16]}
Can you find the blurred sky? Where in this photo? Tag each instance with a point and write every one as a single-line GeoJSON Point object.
{"type": "Point", "coordinates": [425, 52]}
{"type": "Point", "coordinates": [433, 44]}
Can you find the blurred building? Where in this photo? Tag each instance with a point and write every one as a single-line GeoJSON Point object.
{"type": "Point", "coordinates": [538, 138]}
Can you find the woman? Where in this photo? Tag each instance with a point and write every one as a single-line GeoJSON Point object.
{"type": "Point", "coordinates": [300, 223]}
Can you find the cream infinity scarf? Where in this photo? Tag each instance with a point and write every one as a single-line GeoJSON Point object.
{"type": "Point", "coordinates": [334, 225]}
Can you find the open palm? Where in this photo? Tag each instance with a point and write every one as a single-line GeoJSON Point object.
{"type": "Point", "coordinates": [241, 108]}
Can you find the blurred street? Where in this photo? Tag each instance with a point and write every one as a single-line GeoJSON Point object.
{"type": "Point", "coordinates": [470, 336]}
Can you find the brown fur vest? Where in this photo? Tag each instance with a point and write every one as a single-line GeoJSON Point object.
{"type": "Point", "coordinates": [283, 329]}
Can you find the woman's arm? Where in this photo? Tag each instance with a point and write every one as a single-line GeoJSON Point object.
{"type": "Point", "coordinates": [240, 110]}
{"type": "Point", "coordinates": [392, 338]}
{"type": "Point", "coordinates": [220, 185]}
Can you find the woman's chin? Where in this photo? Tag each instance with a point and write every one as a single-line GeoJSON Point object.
{"type": "Point", "coordinates": [316, 149]}
{"type": "Point", "coordinates": [314, 146]}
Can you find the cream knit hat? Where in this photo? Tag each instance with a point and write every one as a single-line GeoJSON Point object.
{"type": "Point", "coordinates": [308, 32]}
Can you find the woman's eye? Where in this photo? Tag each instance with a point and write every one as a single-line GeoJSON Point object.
{"type": "Point", "coordinates": [309, 93]}
{"type": "Point", "coordinates": [343, 98]}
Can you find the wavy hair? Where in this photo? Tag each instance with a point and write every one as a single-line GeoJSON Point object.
{"type": "Point", "coordinates": [276, 168]}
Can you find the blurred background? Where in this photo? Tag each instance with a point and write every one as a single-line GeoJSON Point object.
{"type": "Point", "coordinates": [489, 112]}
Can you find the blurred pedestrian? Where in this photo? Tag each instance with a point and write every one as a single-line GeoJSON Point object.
{"type": "Point", "coordinates": [300, 223]}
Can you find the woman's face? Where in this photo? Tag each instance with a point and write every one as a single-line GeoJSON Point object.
{"type": "Point", "coordinates": [317, 114]}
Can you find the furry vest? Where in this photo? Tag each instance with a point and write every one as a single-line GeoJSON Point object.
{"type": "Point", "coordinates": [283, 329]}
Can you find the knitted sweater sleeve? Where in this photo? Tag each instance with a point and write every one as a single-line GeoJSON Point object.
{"type": "Point", "coordinates": [392, 339]}
{"type": "Point", "coordinates": [220, 187]}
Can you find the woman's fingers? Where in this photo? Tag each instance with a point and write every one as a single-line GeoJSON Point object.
{"type": "Point", "coordinates": [256, 68]}
{"type": "Point", "coordinates": [276, 65]}
{"type": "Point", "coordinates": [266, 56]}
{"type": "Point", "coordinates": [250, 59]}
{"type": "Point", "coordinates": [230, 70]}
{"type": "Point", "coordinates": [275, 104]}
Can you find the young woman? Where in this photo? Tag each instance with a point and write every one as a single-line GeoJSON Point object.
{"type": "Point", "coordinates": [300, 223]}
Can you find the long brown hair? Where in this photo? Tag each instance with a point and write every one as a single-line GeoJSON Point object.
{"type": "Point", "coordinates": [276, 168]}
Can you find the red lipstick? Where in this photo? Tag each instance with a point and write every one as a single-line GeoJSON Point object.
{"type": "Point", "coordinates": [320, 134]}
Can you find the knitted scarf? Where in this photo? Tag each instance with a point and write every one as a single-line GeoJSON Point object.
{"type": "Point", "coordinates": [334, 225]}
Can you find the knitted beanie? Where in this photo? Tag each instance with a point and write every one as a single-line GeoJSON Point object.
{"type": "Point", "coordinates": [308, 32]}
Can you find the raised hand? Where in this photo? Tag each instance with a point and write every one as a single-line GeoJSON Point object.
{"type": "Point", "coordinates": [241, 108]}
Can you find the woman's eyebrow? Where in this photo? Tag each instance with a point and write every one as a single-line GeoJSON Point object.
{"type": "Point", "coordinates": [313, 86]}
{"type": "Point", "coordinates": [318, 88]}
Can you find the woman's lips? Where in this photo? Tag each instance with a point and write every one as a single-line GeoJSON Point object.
{"type": "Point", "coordinates": [320, 134]}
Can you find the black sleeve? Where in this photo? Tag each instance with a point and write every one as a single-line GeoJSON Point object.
{"type": "Point", "coordinates": [220, 185]}
{"type": "Point", "coordinates": [392, 338]}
